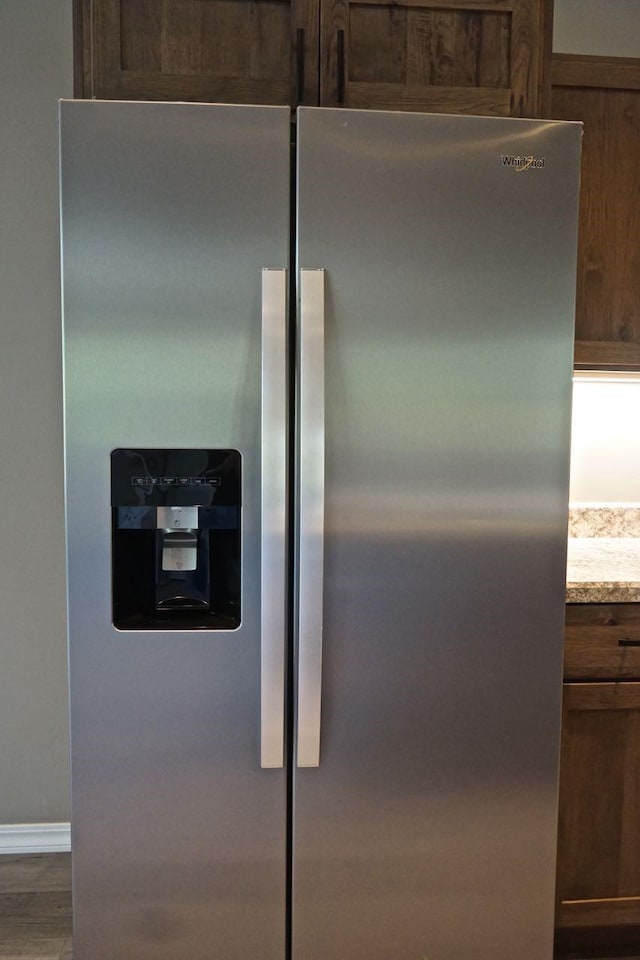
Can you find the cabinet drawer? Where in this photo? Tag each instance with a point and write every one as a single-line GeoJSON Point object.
{"type": "Point", "coordinates": [602, 641]}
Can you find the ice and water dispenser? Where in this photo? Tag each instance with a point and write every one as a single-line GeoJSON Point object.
{"type": "Point", "coordinates": [176, 539]}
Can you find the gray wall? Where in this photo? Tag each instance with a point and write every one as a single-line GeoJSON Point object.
{"type": "Point", "coordinates": [35, 70]}
{"type": "Point", "coordinates": [601, 28]}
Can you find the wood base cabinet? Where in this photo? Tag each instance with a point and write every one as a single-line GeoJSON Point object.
{"type": "Point", "coordinates": [598, 883]}
{"type": "Point", "coordinates": [455, 56]}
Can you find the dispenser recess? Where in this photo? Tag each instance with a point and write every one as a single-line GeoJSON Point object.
{"type": "Point", "coordinates": [176, 554]}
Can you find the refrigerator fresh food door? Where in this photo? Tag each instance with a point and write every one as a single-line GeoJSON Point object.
{"type": "Point", "coordinates": [175, 229]}
{"type": "Point", "coordinates": [448, 246]}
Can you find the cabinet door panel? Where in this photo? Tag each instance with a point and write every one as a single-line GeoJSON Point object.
{"type": "Point", "coordinates": [599, 830]}
{"type": "Point", "coordinates": [605, 94]}
{"type": "Point", "coordinates": [462, 56]}
{"type": "Point", "coordinates": [237, 51]}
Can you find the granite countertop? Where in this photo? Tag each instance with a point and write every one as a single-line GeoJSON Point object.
{"type": "Point", "coordinates": [603, 570]}
{"type": "Point", "coordinates": [603, 562]}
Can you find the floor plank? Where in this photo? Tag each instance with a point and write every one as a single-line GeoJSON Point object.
{"type": "Point", "coordinates": [36, 916]}
{"type": "Point", "coordinates": [66, 953]}
{"type": "Point", "coordinates": [35, 907]}
{"type": "Point", "coordinates": [33, 949]}
{"type": "Point", "coordinates": [35, 872]}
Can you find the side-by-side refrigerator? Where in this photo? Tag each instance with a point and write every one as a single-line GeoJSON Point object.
{"type": "Point", "coordinates": [316, 429]}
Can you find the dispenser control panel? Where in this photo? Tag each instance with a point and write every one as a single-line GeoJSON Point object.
{"type": "Point", "coordinates": [176, 537]}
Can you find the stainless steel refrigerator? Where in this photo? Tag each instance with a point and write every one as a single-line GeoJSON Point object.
{"type": "Point", "coordinates": [316, 426]}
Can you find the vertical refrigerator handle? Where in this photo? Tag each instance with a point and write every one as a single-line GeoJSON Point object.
{"type": "Point", "coordinates": [273, 513]}
{"type": "Point", "coordinates": [311, 516]}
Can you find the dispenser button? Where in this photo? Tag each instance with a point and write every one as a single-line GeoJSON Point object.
{"type": "Point", "coordinates": [177, 518]}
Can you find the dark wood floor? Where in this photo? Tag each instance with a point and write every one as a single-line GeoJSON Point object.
{"type": "Point", "coordinates": [35, 907]}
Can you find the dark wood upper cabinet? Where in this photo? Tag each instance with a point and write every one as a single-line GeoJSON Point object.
{"type": "Point", "coordinates": [604, 92]}
{"type": "Point", "coordinates": [226, 51]}
{"type": "Point", "coordinates": [450, 56]}
{"type": "Point", "coordinates": [456, 56]}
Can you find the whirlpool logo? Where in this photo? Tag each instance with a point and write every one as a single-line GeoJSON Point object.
{"type": "Point", "coordinates": [520, 164]}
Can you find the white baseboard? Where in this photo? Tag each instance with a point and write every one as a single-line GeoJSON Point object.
{"type": "Point", "coordinates": [35, 837]}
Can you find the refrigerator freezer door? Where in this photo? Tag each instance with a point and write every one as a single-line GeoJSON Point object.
{"type": "Point", "coordinates": [428, 829]}
{"type": "Point", "coordinates": [170, 213]}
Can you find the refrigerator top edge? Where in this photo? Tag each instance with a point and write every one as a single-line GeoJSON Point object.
{"type": "Point", "coordinates": [68, 104]}
{"type": "Point", "coordinates": [466, 118]}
